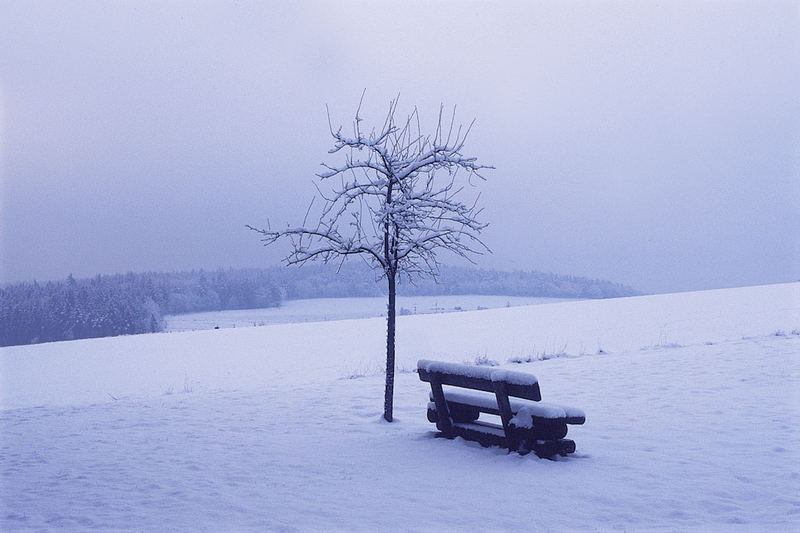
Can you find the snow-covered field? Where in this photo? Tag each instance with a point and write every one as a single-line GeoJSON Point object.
{"type": "Point", "coordinates": [693, 423]}
{"type": "Point", "coordinates": [321, 309]}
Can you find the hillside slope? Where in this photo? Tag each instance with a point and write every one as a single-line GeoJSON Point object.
{"type": "Point", "coordinates": [691, 424]}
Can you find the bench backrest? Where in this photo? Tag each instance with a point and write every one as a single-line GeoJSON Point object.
{"type": "Point", "coordinates": [516, 384]}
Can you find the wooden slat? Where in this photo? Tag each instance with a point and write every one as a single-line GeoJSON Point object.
{"type": "Point", "coordinates": [551, 448]}
{"type": "Point", "coordinates": [529, 392]}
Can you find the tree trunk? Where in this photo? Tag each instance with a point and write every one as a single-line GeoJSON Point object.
{"type": "Point", "coordinates": [388, 399]}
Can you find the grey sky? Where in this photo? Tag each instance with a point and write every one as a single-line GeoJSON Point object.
{"type": "Point", "coordinates": [651, 143]}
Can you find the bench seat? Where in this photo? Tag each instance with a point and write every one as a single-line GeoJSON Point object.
{"type": "Point", "coordinates": [487, 403]}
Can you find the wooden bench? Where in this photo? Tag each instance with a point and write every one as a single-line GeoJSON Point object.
{"type": "Point", "coordinates": [460, 393]}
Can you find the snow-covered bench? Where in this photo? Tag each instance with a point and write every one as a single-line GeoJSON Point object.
{"type": "Point", "coordinates": [460, 393]}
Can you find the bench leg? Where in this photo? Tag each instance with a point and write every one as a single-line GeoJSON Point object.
{"type": "Point", "coordinates": [443, 421]}
{"type": "Point", "coordinates": [504, 406]}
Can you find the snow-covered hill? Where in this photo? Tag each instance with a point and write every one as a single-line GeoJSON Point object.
{"type": "Point", "coordinates": [691, 401]}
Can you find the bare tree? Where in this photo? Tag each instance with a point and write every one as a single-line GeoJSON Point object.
{"type": "Point", "coordinates": [394, 201]}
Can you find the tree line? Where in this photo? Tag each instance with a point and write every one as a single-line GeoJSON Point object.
{"type": "Point", "coordinates": [124, 304]}
{"type": "Point", "coordinates": [326, 281]}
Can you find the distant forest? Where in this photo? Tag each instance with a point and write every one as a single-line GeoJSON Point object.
{"type": "Point", "coordinates": [136, 303]}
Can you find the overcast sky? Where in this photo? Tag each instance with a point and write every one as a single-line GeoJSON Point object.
{"type": "Point", "coordinates": [650, 143]}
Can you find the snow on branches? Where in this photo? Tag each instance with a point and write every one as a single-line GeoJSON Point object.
{"type": "Point", "coordinates": [395, 197]}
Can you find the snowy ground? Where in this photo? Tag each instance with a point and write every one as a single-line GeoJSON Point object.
{"type": "Point", "coordinates": [692, 424]}
{"type": "Point", "coordinates": [322, 309]}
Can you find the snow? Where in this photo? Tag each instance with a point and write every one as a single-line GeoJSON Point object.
{"type": "Point", "coordinates": [515, 378]}
{"type": "Point", "coordinates": [479, 372]}
{"type": "Point", "coordinates": [485, 428]}
{"type": "Point", "coordinates": [484, 400]}
{"type": "Point", "coordinates": [322, 309]}
{"type": "Point", "coordinates": [524, 418]}
{"type": "Point", "coordinates": [693, 411]}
